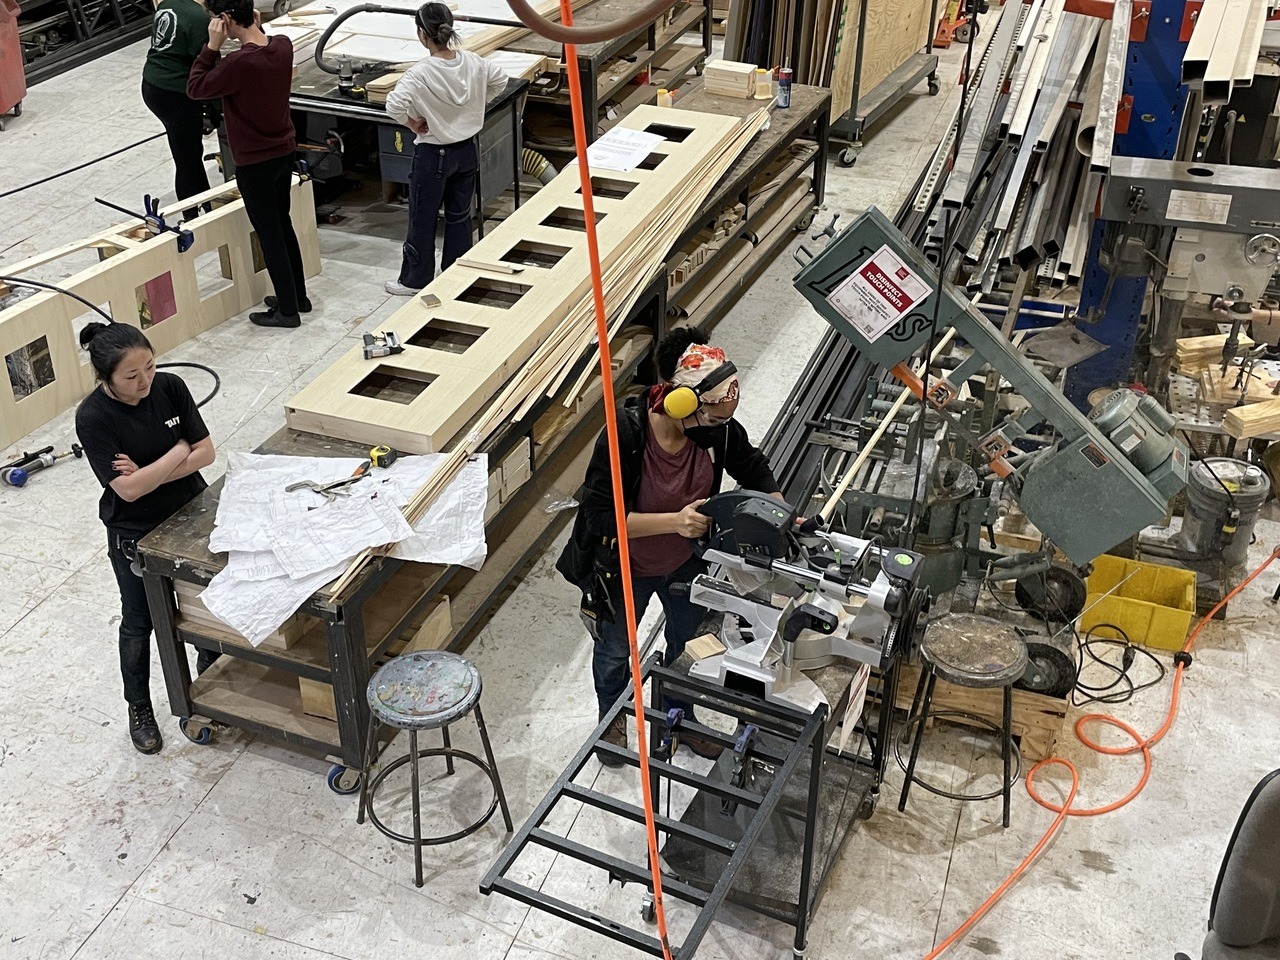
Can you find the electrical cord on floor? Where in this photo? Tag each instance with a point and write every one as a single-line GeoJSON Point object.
{"type": "Point", "coordinates": [1140, 745]}
{"type": "Point", "coordinates": [1123, 688]}
{"type": "Point", "coordinates": [81, 166]}
{"type": "Point", "coordinates": [217, 380]}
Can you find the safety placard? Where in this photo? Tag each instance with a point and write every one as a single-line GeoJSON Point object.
{"type": "Point", "coordinates": [878, 294]}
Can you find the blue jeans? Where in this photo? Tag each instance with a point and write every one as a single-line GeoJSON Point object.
{"type": "Point", "coordinates": [441, 174]}
{"type": "Point", "coordinates": [611, 662]}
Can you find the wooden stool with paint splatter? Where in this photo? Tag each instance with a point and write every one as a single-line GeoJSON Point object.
{"type": "Point", "coordinates": [426, 691]}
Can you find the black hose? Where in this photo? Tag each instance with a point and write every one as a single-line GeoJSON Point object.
{"type": "Point", "coordinates": [217, 380]}
{"type": "Point", "coordinates": [87, 163]}
{"type": "Point", "coordinates": [342, 18]}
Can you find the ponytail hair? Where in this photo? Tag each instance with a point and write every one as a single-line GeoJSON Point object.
{"type": "Point", "coordinates": [108, 343]}
{"type": "Point", "coordinates": [436, 21]}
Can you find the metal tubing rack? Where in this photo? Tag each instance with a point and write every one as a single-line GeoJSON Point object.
{"type": "Point", "coordinates": [793, 747]}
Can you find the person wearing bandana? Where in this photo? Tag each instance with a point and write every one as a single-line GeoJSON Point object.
{"type": "Point", "coordinates": [676, 443]}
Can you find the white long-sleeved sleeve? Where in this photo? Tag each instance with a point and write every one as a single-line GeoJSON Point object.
{"type": "Point", "coordinates": [401, 101]}
{"type": "Point", "coordinates": [495, 80]}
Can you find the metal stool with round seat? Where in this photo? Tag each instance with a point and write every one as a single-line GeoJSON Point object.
{"type": "Point", "coordinates": [426, 691]}
{"type": "Point", "coordinates": [970, 651]}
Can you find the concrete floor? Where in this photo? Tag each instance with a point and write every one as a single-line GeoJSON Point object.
{"type": "Point", "coordinates": [239, 848]}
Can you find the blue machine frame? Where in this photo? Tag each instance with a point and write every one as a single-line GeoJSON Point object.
{"type": "Point", "coordinates": [1153, 72]}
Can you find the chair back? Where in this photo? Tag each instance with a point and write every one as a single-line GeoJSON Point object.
{"type": "Point", "coordinates": [1246, 899]}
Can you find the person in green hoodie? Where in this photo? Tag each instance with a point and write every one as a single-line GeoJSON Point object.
{"type": "Point", "coordinates": [178, 30]}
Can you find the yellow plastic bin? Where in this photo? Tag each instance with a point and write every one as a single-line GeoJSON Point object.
{"type": "Point", "coordinates": [1154, 607]}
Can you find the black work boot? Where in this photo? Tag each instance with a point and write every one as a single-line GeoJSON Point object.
{"type": "Point", "coordinates": [614, 735]}
{"type": "Point", "coordinates": [143, 728]}
{"type": "Point", "coordinates": [274, 318]}
{"type": "Point", "coordinates": [304, 305]}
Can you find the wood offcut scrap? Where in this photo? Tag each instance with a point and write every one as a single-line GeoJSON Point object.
{"type": "Point", "coordinates": [1252, 420]}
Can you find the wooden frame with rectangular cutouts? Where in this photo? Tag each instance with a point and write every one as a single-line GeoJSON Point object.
{"type": "Point", "coordinates": [544, 242]}
{"type": "Point", "coordinates": [143, 281]}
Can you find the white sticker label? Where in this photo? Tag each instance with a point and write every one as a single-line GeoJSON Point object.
{"type": "Point", "coordinates": [878, 294]}
{"type": "Point", "coordinates": [1197, 207]}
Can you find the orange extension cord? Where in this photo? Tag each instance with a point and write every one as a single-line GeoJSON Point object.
{"type": "Point", "coordinates": [1140, 745]}
{"type": "Point", "coordinates": [611, 429]}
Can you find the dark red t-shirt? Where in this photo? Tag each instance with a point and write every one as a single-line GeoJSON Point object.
{"type": "Point", "coordinates": [253, 83]}
{"type": "Point", "coordinates": [669, 482]}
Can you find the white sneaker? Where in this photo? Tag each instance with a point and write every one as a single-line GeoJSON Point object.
{"type": "Point", "coordinates": [398, 289]}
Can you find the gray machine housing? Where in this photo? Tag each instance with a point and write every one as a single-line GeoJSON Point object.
{"type": "Point", "coordinates": [1086, 495]}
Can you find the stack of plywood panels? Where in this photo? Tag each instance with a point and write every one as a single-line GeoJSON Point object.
{"type": "Point", "coordinates": [730, 78]}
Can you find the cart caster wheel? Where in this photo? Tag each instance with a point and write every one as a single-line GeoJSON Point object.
{"type": "Point", "coordinates": [200, 733]}
{"type": "Point", "coordinates": [17, 109]}
{"type": "Point", "coordinates": [343, 780]}
{"type": "Point", "coordinates": [648, 912]}
{"type": "Point", "coordinates": [847, 157]}
{"type": "Point", "coordinates": [281, 7]}
{"type": "Point", "coordinates": [805, 222]}
{"type": "Point", "coordinates": [867, 808]}
{"type": "Point", "coordinates": [799, 954]}
{"type": "Point", "coordinates": [934, 88]}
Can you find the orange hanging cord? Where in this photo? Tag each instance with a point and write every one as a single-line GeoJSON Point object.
{"type": "Point", "coordinates": [611, 430]}
{"type": "Point", "coordinates": [1140, 745]}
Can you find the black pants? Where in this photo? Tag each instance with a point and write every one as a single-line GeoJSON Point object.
{"type": "Point", "coordinates": [183, 120]}
{"type": "Point", "coordinates": [266, 188]}
{"type": "Point", "coordinates": [135, 620]}
{"type": "Point", "coordinates": [440, 174]}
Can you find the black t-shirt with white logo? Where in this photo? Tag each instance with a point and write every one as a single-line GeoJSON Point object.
{"type": "Point", "coordinates": [145, 433]}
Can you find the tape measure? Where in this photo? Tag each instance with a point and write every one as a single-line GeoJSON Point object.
{"type": "Point", "coordinates": [383, 455]}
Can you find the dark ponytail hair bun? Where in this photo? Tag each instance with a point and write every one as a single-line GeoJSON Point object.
{"type": "Point", "coordinates": [107, 343]}
{"type": "Point", "coordinates": [673, 347]}
{"type": "Point", "coordinates": [436, 21]}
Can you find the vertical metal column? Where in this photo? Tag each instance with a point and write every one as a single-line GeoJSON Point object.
{"type": "Point", "coordinates": [1148, 125]}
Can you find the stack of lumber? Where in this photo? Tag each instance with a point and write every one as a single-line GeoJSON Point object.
{"type": "Point", "coordinates": [499, 342]}
{"type": "Point", "coordinates": [730, 78]}
{"type": "Point", "coordinates": [197, 615]}
{"type": "Point", "coordinates": [1237, 384]}
{"type": "Point", "coordinates": [1196, 354]}
{"type": "Point", "coordinates": [1252, 420]}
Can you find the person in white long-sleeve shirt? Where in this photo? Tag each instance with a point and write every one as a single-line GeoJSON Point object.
{"type": "Point", "coordinates": [442, 99]}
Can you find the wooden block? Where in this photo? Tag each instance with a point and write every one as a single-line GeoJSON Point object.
{"type": "Point", "coordinates": [191, 608]}
{"type": "Point", "coordinates": [317, 698]}
{"type": "Point", "coordinates": [514, 480]}
{"type": "Point", "coordinates": [1252, 420]}
{"type": "Point", "coordinates": [707, 645]}
{"type": "Point", "coordinates": [435, 632]}
{"type": "Point", "coordinates": [517, 461]}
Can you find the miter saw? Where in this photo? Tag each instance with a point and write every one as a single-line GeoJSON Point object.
{"type": "Point", "coordinates": [802, 598]}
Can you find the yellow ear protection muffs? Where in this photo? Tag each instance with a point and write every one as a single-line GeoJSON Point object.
{"type": "Point", "coordinates": [680, 403]}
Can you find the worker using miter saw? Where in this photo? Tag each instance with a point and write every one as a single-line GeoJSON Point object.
{"type": "Point", "coordinates": [676, 443]}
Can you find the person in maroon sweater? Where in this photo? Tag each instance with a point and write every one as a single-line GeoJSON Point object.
{"type": "Point", "coordinates": [253, 83]}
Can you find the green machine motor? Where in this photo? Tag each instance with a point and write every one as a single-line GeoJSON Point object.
{"type": "Point", "coordinates": [1110, 475]}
